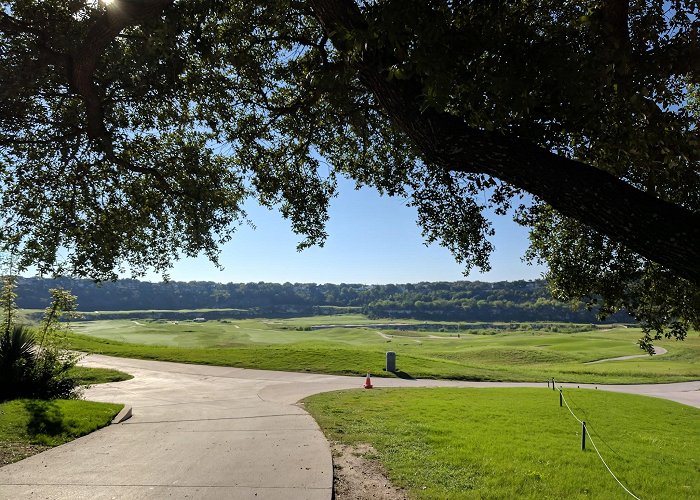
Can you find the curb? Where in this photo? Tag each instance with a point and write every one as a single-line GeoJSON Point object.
{"type": "Point", "coordinates": [124, 414]}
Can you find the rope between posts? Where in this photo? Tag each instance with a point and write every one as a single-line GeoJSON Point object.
{"type": "Point", "coordinates": [590, 438]}
{"type": "Point", "coordinates": [569, 408]}
{"type": "Point", "coordinates": [611, 472]}
{"type": "Point", "coordinates": [592, 429]}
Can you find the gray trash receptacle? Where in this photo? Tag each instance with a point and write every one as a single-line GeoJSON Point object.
{"type": "Point", "coordinates": [391, 361]}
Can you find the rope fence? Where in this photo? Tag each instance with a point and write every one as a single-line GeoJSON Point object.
{"type": "Point", "coordinates": [579, 410]}
{"type": "Point", "coordinates": [585, 431]}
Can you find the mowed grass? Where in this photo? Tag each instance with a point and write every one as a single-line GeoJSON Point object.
{"type": "Point", "coordinates": [29, 426]}
{"type": "Point", "coordinates": [289, 345]}
{"type": "Point", "coordinates": [92, 376]}
{"type": "Point", "coordinates": [228, 333]}
{"type": "Point", "coordinates": [518, 443]}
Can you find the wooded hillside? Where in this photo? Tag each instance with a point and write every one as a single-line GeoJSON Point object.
{"type": "Point", "coordinates": [448, 301]}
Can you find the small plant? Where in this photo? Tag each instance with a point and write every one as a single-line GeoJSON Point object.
{"type": "Point", "coordinates": [31, 369]}
{"type": "Point", "coordinates": [7, 301]}
{"type": "Point", "coordinates": [17, 359]}
{"type": "Point", "coordinates": [29, 372]}
{"type": "Point", "coordinates": [63, 306]}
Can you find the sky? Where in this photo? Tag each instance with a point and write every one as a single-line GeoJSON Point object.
{"type": "Point", "coordinates": [372, 240]}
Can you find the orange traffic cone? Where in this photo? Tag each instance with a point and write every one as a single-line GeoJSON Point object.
{"type": "Point", "coordinates": [368, 382]}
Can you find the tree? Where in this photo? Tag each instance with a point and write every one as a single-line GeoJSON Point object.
{"type": "Point", "coordinates": [133, 130]}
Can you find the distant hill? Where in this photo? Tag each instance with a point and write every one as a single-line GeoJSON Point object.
{"type": "Point", "coordinates": [445, 301]}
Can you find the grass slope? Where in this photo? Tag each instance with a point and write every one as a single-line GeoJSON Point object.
{"type": "Point", "coordinates": [518, 443]}
{"type": "Point", "coordinates": [29, 426]}
{"type": "Point", "coordinates": [285, 344]}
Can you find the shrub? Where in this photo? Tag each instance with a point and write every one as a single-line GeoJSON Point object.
{"type": "Point", "coordinates": [28, 371]}
{"type": "Point", "coordinates": [32, 367]}
{"type": "Point", "coordinates": [17, 358]}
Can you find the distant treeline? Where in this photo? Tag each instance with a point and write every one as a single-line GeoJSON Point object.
{"type": "Point", "coordinates": [432, 301]}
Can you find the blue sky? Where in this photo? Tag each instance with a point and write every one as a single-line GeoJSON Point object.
{"type": "Point", "coordinates": [372, 239]}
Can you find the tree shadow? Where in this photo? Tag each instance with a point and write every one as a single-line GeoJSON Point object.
{"type": "Point", "coordinates": [45, 418]}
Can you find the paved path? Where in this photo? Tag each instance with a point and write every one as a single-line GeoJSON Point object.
{"type": "Point", "coordinates": [212, 432]}
{"type": "Point", "coordinates": [658, 351]}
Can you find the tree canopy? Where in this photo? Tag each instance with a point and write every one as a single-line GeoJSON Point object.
{"type": "Point", "coordinates": [132, 131]}
{"type": "Point", "coordinates": [470, 301]}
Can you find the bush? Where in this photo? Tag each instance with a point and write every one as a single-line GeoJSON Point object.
{"type": "Point", "coordinates": [31, 371]}
{"type": "Point", "coordinates": [17, 357]}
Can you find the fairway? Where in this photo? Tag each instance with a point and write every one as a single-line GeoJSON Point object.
{"type": "Point", "coordinates": [481, 352]}
{"type": "Point", "coordinates": [519, 443]}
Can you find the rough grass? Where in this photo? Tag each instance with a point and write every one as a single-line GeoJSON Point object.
{"type": "Point", "coordinates": [285, 345]}
{"type": "Point", "coordinates": [518, 443]}
{"type": "Point", "coordinates": [28, 426]}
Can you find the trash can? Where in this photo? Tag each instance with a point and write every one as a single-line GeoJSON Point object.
{"type": "Point", "coordinates": [391, 361]}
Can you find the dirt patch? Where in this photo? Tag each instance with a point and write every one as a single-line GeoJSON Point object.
{"type": "Point", "coordinates": [14, 452]}
{"type": "Point", "coordinates": [359, 476]}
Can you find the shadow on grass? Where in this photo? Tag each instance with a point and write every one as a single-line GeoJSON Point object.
{"type": "Point", "coordinates": [45, 419]}
{"type": "Point", "coordinates": [403, 375]}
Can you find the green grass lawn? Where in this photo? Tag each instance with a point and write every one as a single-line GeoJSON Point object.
{"type": "Point", "coordinates": [287, 344]}
{"type": "Point", "coordinates": [518, 443]}
{"type": "Point", "coordinates": [91, 376]}
{"type": "Point", "coordinates": [29, 426]}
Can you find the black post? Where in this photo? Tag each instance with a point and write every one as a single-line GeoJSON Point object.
{"type": "Point", "coordinates": [583, 436]}
{"type": "Point", "coordinates": [547, 383]}
{"type": "Point", "coordinates": [561, 398]}
{"type": "Point", "coordinates": [552, 383]}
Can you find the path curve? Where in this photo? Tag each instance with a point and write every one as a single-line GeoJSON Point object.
{"type": "Point", "coordinates": [392, 337]}
{"type": "Point", "coordinates": [658, 351]}
{"type": "Point", "coordinates": [214, 432]}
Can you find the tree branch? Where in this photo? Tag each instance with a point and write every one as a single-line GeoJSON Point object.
{"type": "Point", "coordinates": [679, 57]}
{"type": "Point", "coordinates": [81, 61]}
{"type": "Point", "coordinates": [105, 27]}
{"type": "Point", "coordinates": [615, 17]}
{"type": "Point", "coordinates": [47, 54]}
{"type": "Point", "coordinates": [615, 34]}
{"type": "Point", "coordinates": [658, 230]}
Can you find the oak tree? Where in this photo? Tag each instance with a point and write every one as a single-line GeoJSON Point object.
{"type": "Point", "coordinates": [132, 131]}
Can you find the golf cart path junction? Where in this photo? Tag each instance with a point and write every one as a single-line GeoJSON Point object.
{"type": "Point", "coordinates": [215, 432]}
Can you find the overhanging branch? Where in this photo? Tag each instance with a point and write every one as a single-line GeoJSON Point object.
{"type": "Point", "coordinates": [660, 231]}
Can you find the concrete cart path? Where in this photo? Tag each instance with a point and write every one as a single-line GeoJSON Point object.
{"type": "Point", "coordinates": [213, 432]}
{"type": "Point", "coordinates": [658, 351]}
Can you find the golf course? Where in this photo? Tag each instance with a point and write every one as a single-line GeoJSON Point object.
{"type": "Point", "coordinates": [355, 344]}
{"type": "Point", "coordinates": [454, 442]}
